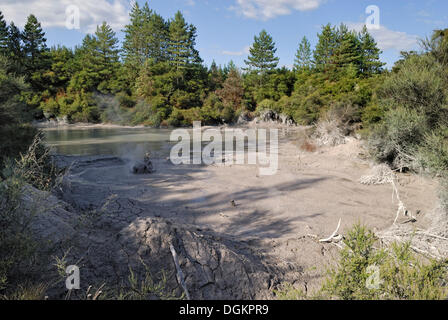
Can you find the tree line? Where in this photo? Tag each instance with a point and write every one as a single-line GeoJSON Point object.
{"type": "Point", "coordinates": [157, 77]}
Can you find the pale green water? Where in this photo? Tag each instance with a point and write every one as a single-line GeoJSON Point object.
{"type": "Point", "coordinates": [108, 141]}
{"type": "Point", "coordinates": [115, 141]}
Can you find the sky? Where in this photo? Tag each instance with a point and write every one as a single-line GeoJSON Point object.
{"type": "Point", "coordinates": [226, 28]}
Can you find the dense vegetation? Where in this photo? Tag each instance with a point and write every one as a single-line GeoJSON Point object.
{"type": "Point", "coordinates": [411, 112]}
{"type": "Point", "coordinates": [156, 77]}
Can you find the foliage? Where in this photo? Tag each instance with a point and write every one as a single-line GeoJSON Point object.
{"type": "Point", "coordinates": [262, 54]}
{"type": "Point", "coordinates": [410, 125]}
{"type": "Point", "coordinates": [402, 275]}
{"type": "Point", "coordinates": [36, 167]}
{"type": "Point", "coordinates": [433, 152]}
{"type": "Point", "coordinates": [395, 140]}
{"type": "Point", "coordinates": [4, 34]}
{"type": "Point", "coordinates": [18, 248]}
{"type": "Point", "coordinates": [367, 273]}
{"type": "Point", "coordinates": [161, 66]}
{"type": "Point", "coordinates": [15, 132]}
{"type": "Point", "coordinates": [146, 288]}
{"type": "Point", "coordinates": [304, 56]}
{"type": "Point", "coordinates": [232, 90]}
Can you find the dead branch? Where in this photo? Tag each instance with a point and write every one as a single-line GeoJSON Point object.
{"type": "Point", "coordinates": [180, 275]}
{"type": "Point", "coordinates": [335, 237]}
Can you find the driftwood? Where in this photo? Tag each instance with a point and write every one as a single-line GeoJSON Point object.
{"type": "Point", "coordinates": [180, 275]}
{"type": "Point", "coordinates": [335, 237]}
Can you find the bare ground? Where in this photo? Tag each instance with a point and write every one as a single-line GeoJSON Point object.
{"type": "Point", "coordinates": [226, 251]}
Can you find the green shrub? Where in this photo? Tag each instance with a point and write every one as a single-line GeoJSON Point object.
{"type": "Point", "coordinates": [211, 110]}
{"type": "Point", "coordinates": [397, 139]}
{"type": "Point", "coordinates": [348, 280]}
{"type": "Point", "coordinates": [433, 152]}
{"type": "Point", "coordinates": [79, 107]}
{"type": "Point", "coordinates": [18, 259]}
{"type": "Point", "coordinates": [50, 107]}
{"type": "Point", "coordinates": [421, 85]}
{"type": "Point", "coordinates": [373, 114]}
{"type": "Point", "coordinates": [125, 100]}
{"type": "Point", "coordinates": [36, 167]}
{"type": "Point", "coordinates": [401, 274]}
{"type": "Point", "coordinates": [228, 114]}
{"type": "Point", "coordinates": [146, 288]}
{"type": "Point", "coordinates": [268, 104]}
{"type": "Point", "coordinates": [367, 273]}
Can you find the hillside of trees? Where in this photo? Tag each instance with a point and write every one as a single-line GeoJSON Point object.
{"type": "Point", "coordinates": [157, 77]}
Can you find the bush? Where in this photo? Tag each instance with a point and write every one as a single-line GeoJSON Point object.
{"type": "Point", "coordinates": [421, 85]}
{"type": "Point", "coordinates": [18, 249]}
{"type": "Point", "coordinates": [397, 139]}
{"type": "Point", "coordinates": [366, 273]}
{"type": "Point", "coordinates": [401, 274]}
{"type": "Point", "coordinates": [50, 108]}
{"type": "Point", "coordinates": [433, 153]}
{"type": "Point", "coordinates": [268, 104]}
{"type": "Point", "coordinates": [211, 110]}
{"type": "Point", "coordinates": [36, 167]}
{"type": "Point", "coordinates": [79, 107]}
{"type": "Point", "coordinates": [15, 132]}
{"type": "Point", "coordinates": [348, 280]}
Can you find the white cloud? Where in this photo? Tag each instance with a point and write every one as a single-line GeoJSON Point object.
{"type": "Point", "coordinates": [51, 13]}
{"type": "Point", "coordinates": [389, 39]}
{"type": "Point", "coordinates": [268, 9]}
{"type": "Point", "coordinates": [244, 51]}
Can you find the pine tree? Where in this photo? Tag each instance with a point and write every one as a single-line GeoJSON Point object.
{"type": "Point", "coordinates": [34, 45]}
{"type": "Point", "coordinates": [303, 56]}
{"type": "Point", "coordinates": [97, 61]}
{"type": "Point", "coordinates": [146, 37]}
{"type": "Point", "coordinates": [215, 77]}
{"type": "Point", "coordinates": [347, 49]}
{"type": "Point", "coordinates": [370, 54]}
{"type": "Point", "coordinates": [325, 47]}
{"type": "Point", "coordinates": [16, 53]}
{"type": "Point", "coordinates": [4, 33]}
{"type": "Point", "coordinates": [182, 41]}
{"type": "Point", "coordinates": [61, 69]}
{"type": "Point", "coordinates": [107, 54]}
{"type": "Point", "coordinates": [156, 30]}
{"type": "Point", "coordinates": [106, 45]}
{"type": "Point", "coordinates": [262, 57]}
{"type": "Point", "coordinates": [134, 54]}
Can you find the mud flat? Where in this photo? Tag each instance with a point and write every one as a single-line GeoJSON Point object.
{"type": "Point", "coordinates": [238, 235]}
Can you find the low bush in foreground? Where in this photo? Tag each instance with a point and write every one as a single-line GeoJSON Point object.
{"type": "Point", "coordinates": [365, 272]}
{"type": "Point", "coordinates": [19, 259]}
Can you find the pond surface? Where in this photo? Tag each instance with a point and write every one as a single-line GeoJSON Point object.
{"type": "Point", "coordinates": [117, 141]}
{"type": "Point", "coordinates": [125, 142]}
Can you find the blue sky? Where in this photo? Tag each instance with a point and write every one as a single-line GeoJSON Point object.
{"type": "Point", "coordinates": [226, 27]}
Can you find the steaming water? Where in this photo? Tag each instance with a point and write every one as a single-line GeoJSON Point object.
{"type": "Point", "coordinates": [108, 141]}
